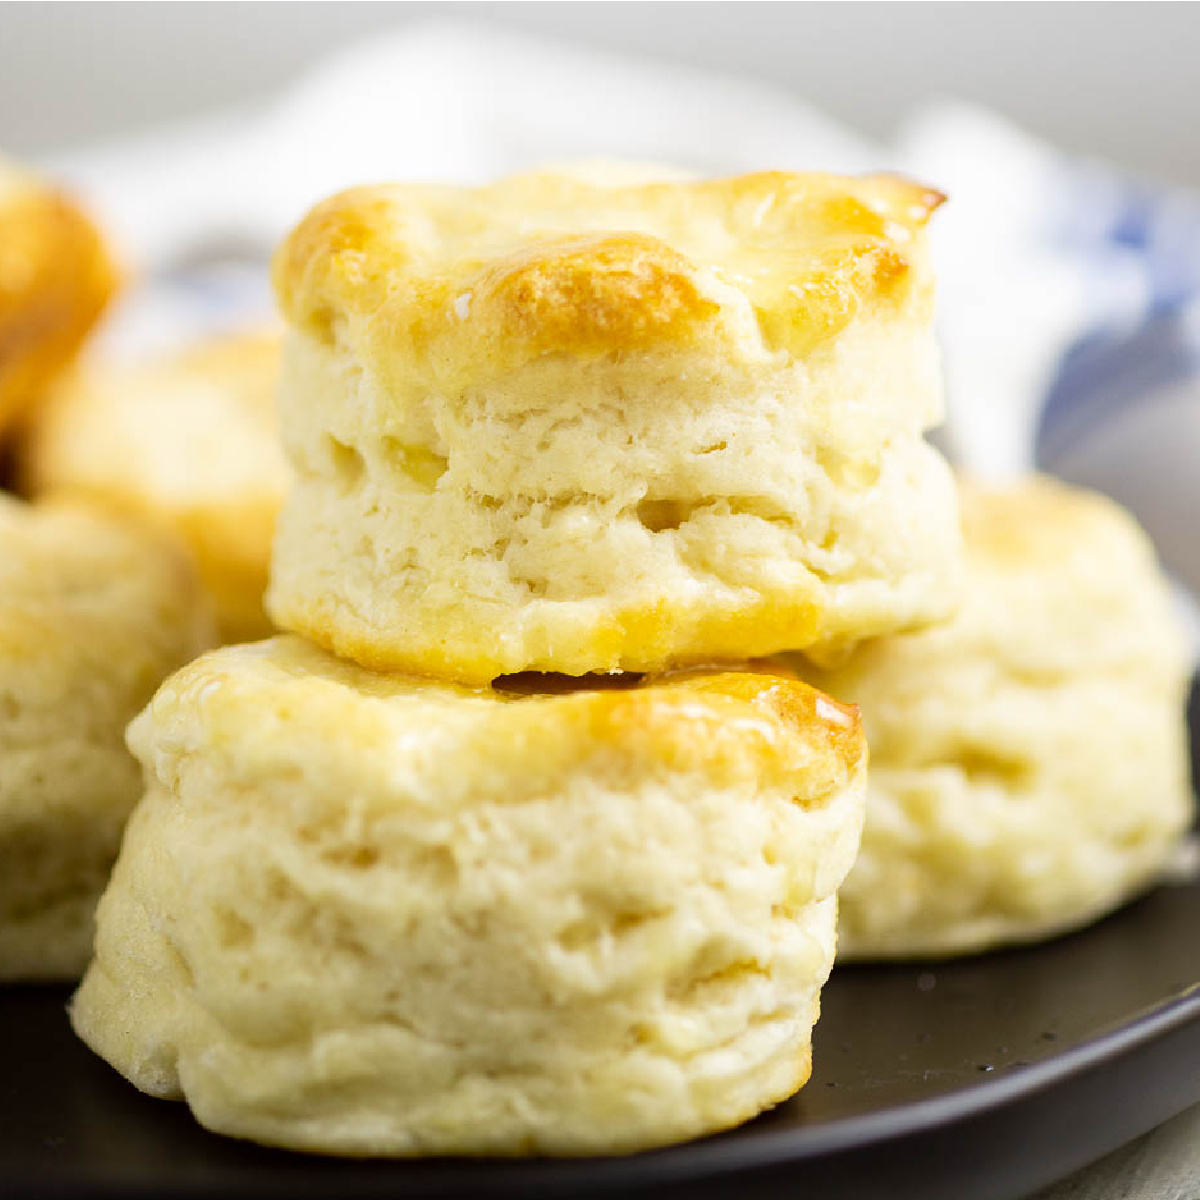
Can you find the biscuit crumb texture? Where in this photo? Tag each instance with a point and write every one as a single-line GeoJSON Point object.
{"type": "Point", "coordinates": [370, 915]}
{"type": "Point", "coordinates": [556, 426]}
{"type": "Point", "coordinates": [93, 615]}
{"type": "Point", "coordinates": [1029, 763]}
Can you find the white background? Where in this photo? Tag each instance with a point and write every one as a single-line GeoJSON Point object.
{"type": "Point", "coordinates": [1120, 81]}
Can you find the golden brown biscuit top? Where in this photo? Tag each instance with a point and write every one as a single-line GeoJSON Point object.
{"type": "Point", "coordinates": [284, 701]}
{"type": "Point", "coordinates": [56, 275]}
{"type": "Point", "coordinates": [554, 263]}
{"type": "Point", "coordinates": [50, 254]}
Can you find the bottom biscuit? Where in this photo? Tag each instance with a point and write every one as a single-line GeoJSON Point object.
{"type": "Point", "coordinates": [369, 915]}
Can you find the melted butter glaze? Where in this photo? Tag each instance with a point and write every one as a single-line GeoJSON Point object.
{"type": "Point", "coordinates": [541, 263]}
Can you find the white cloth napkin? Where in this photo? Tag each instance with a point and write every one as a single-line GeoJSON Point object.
{"type": "Point", "coordinates": [1069, 305]}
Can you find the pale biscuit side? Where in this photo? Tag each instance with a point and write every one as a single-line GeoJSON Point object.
{"type": "Point", "coordinates": [1029, 759]}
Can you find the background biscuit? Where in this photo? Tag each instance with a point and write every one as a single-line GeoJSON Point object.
{"type": "Point", "coordinates": [187, 441]}
{"type": "Point", "coordinates": [93, 615]}
{"type": "Point", "coordinates": [56, 276]}
{"type": "Point", "coordinates": [1028, 759]}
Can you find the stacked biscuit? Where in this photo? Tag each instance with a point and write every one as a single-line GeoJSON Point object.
{"type": "Point", "coordinates": [513, 849]}
{"type": "Point", "coordinates": [527, 835]}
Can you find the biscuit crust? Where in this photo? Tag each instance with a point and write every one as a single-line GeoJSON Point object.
{"type": "Point", "coordinates": [366, 914]}
{"type": "Point", "coordinates": [544, 263]}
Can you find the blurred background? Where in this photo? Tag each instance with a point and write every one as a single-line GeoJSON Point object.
{"type": "Point", "coordinates": [1114, 80]}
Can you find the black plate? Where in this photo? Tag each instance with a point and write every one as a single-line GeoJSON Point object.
{"type": "Point", "coordinates": [979, 1079]}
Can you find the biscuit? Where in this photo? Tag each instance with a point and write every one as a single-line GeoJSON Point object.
{"type": "Point", "coordinates": [56, 276]}
{"type": "Point", "coordinates": [373, 915]}
{"type": "Point", "coordinates": [1029, 759]}
{"type": "Point", "coordinates": [558, 426]}
{"type": "Point", "coordinates": [187, 441]}
{"type": "Point", "coordinates": [93, 615]}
